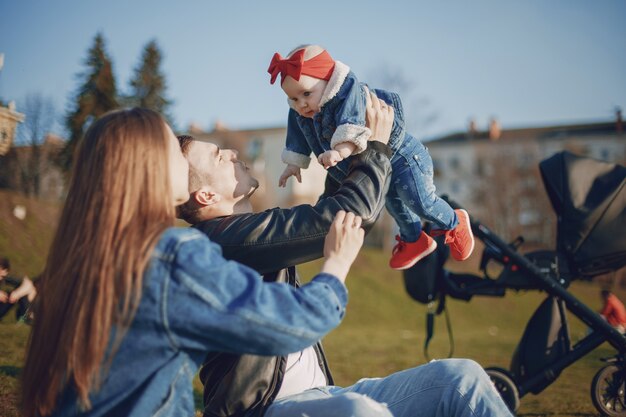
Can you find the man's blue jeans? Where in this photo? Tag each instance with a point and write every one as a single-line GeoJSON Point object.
{"type": "Point", "coordinates": [443, 388]}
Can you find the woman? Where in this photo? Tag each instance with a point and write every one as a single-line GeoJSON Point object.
{"type": "Point", "coordinates": [130, 306]}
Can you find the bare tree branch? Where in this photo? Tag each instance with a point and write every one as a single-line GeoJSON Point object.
{"type": "Point", "coordinates": [31, 159]}
{"type": "Point", "coordinates": [418, 110]}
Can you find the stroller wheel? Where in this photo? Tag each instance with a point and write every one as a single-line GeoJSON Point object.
{"type": "Point", "coordinates": [505, 386]}
{"type": "Point", "coordinates": [608, 391]}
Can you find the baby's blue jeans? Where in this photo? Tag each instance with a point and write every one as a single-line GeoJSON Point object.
{"type": "Point", "coordinates": [412, 195]}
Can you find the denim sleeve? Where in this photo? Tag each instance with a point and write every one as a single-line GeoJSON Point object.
{"type": "Point", "coordinates": [297, 149]}
{"type": "Point", "coordinates": [217, 305]}
{"type": "Point", "coordinates": [350, 118]}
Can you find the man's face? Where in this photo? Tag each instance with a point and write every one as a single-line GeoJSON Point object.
{"type": "Point", "coordinates": [3, 272]}
{"type": "Point", "coordinates": [227, 175]}
{"type": "Point", "coordinates": [305, 94]}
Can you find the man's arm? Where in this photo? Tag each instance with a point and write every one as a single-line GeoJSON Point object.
{"type": "Point", "coordinates": [277, 238]}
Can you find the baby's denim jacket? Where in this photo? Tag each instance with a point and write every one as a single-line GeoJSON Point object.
{"type": "Point", "coordinates": [340, 119]}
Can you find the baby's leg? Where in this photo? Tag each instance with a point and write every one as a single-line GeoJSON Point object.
{"type": "Point", "coordinates": [413, 244]}
{"type": "Point", "coordinates": [413, 179]}
{"type": "Point", "coordinates": [409, 223]}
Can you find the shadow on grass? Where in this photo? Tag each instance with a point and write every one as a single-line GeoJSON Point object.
{"type": "Point", "coordinates": [9, 370]}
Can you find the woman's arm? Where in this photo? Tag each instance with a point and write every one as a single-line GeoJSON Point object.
{"type": "Point", "coordinates": [221, 305]}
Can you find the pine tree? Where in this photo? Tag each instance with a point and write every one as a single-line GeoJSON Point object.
{"type": "Point", "coordinates": [148, 84]}
{"type": "Point", "coordinates": [96, 96]}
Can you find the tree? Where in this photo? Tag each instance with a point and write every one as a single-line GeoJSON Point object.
{"type": "Point", "coordinates": [96, 96]}
{"type": "Point", "coordinates": [148, 84]}
{"type": "Point", "coordinates": [34, 160]}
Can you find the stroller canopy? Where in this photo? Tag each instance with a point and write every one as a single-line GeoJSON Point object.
{"type": "Point", "coordinates": [589, 198]}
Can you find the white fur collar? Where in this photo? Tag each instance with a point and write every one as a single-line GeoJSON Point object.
{"type": "Point", "coordinates": [340, 72]}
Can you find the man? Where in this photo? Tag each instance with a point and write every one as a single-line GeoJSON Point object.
{"type": "Point", "coordinates": [15, 291]}
{"type": "Point", "coordinates": [273, 242]}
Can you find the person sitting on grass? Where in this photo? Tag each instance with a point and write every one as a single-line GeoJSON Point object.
{"type": "Point", "coordinates": [15, 291]}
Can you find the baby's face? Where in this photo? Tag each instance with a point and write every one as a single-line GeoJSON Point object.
{"type": "Point", "coordinates": [304, 95]}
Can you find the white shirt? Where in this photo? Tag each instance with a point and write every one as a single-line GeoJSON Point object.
{"type": "Point", "coordinates": [303, 372]}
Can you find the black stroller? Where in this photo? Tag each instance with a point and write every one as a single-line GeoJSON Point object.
{"type": "Point", "coordinates": [589, 198]}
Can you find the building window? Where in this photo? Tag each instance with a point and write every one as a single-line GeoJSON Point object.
{"type": "Point", "coordinates": [528, 183]}
{"type": "Point", "coordinates": [526, 160]}
{"type": "Point", "coordinates": [605, 155]}
{"type": "Point", "coordinates": [480, 167]}
{"type": "Point", "coordinates": [254, 149]}
{"type": "Point", "coordinates": [436, 167]}
{"type": "Point", "coordinates": [455, 187]}
{"type": "Point", "coordinates": [455, 163]}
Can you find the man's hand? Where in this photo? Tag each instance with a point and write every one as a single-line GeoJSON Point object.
{"type": "Point", "coordinates": [4, 297]}
{"type": "Point", "coordinates": [329, 158]}
{"type": "Point", "coordinates": [379, 118]}
{"type": "Point", "coordinates": [290, 171]}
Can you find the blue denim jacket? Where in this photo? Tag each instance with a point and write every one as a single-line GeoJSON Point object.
{"type": "Point", "coordinates": [193, 302]}
{"type": "Point", "coordinates": [345, 107]}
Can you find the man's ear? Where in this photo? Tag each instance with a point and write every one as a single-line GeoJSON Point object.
{"type": "Point", "coordinates": [205, 197]}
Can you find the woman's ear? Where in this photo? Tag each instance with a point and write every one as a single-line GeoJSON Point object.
{"type": "Point", "coordinates": [205, 197]}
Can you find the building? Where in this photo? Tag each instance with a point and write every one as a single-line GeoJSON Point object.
{"type": "Point", "coordinates": [9, 118]}
{"type": "Point", "coordinates": [34, 169]}
{"type": "Point", "coordinates": [494, 173]}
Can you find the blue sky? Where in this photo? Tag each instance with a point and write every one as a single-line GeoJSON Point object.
{"type": "Point", "coordinates": [524, 62]}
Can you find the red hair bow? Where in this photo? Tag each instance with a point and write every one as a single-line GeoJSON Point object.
{"type": "Point", "coordinates": [320, 66]}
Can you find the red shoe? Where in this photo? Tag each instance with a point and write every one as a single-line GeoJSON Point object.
{"type": "Point", "coordinates": [407, 254]}
{"type": "Point", "coordinates": [460, 239]}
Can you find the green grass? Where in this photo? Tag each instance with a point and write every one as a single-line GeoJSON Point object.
{"type": "Point", "coordinates": [383, 330]}
{"type": "Point", "coordinates": [25, 242]}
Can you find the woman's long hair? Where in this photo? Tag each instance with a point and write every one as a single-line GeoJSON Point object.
{"type": "Point", "coordinates": [119, 201]}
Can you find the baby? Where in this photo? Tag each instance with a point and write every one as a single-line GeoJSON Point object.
{"type": "Point", "coordinates": [327, 118]}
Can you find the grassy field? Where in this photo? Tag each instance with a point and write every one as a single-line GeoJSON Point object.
{"type": "Point", "coordinates": [383, 330]}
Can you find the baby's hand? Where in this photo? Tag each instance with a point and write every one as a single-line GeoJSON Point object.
{"type": "Point", "coordinates": [329, 158]}
{"type": "Point", "coordinates": [290, 171]}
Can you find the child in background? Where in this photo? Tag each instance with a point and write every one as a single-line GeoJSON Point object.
{"type": "Point", "coordinates": [613, 310]}
{"type": "Point", "coordinates": [20, 291]}
{"type": "Point", "coordinates": [327, 118]}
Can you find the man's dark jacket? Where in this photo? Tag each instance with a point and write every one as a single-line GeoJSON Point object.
{"type": "Point", "coordinates": [273, 242]}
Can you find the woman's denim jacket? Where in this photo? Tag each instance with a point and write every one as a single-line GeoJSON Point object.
{"type": "Point", "coordinates": [340, 119]}
{"type": "Point", "coordinates": [193, 302]}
